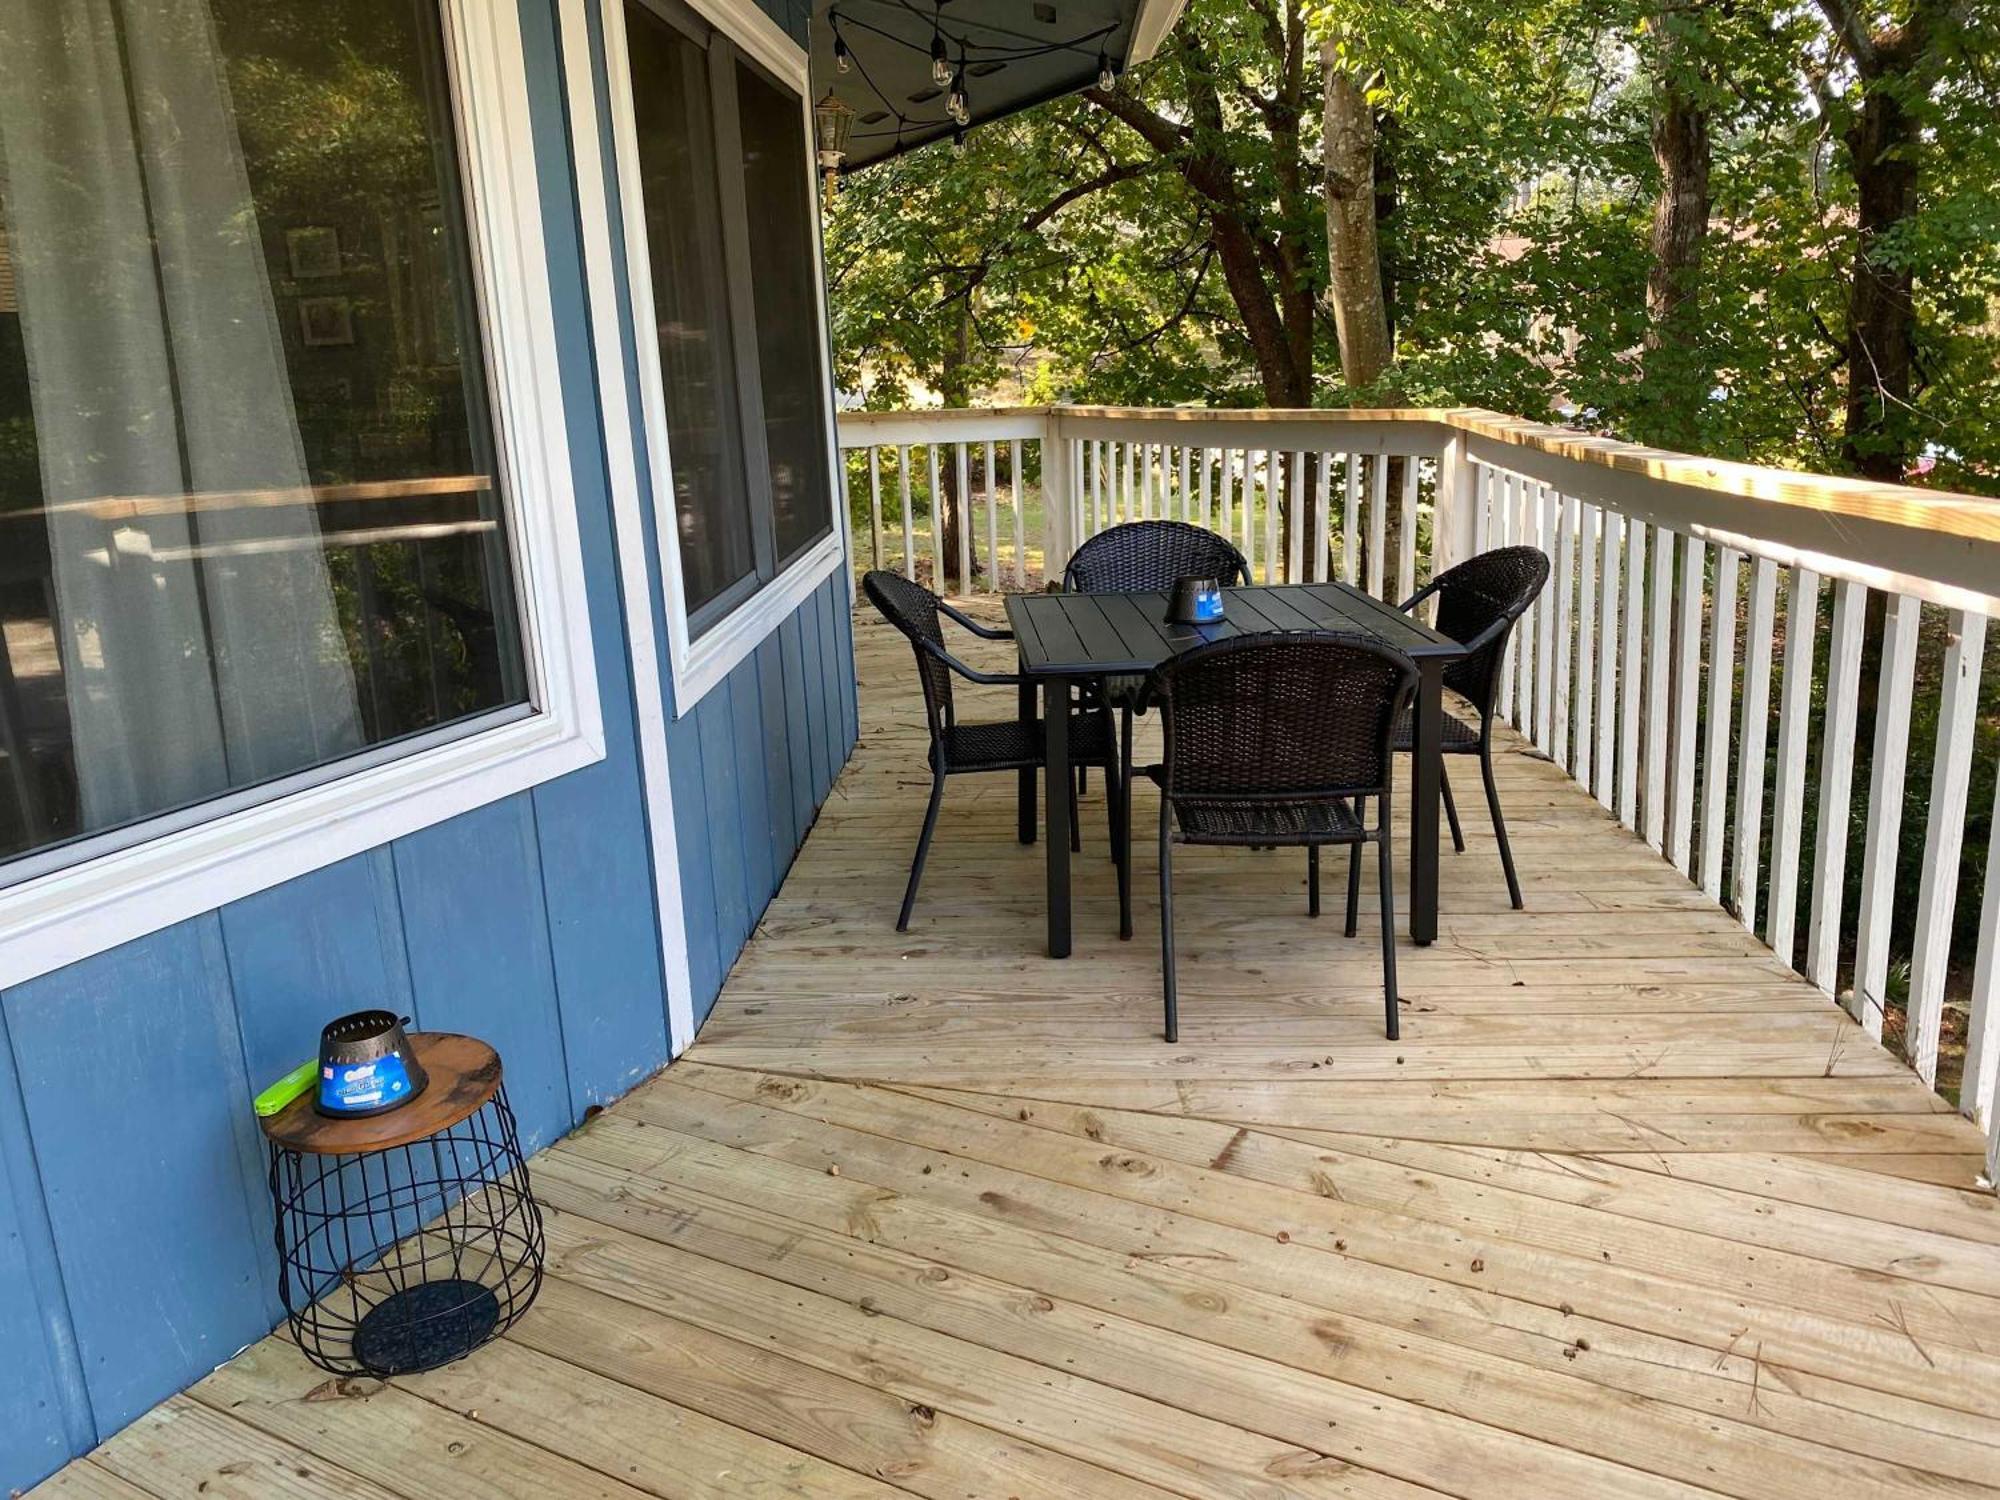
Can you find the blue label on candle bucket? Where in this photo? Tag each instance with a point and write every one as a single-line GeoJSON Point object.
{"type": "Point", "coordinates": [369, 1085]}
{"type": "Point", "coordinates": [1207, 606]}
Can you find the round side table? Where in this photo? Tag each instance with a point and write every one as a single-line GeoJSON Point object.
{"type": "Point", "coordinates": [407, 1239]}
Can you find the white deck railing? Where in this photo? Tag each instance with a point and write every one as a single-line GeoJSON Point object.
{"type": "Point", "coordinates": [1631, 672]}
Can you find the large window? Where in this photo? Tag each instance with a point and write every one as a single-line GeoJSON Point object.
{"type": "Point", "coordinates": [723, 170]}
{"type": "Point", "coordinates": [250, 503]}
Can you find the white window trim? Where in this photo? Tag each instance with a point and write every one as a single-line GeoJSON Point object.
{"type": "Point", "coordinates": [71, 913]}
{"type": "Point", "coordinates": [698, 664]}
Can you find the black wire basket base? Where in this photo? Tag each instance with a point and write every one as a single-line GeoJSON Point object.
{"type": "Point", "coordinates": [425, 1326]}
{"type": "Point", "coordinates": [403, 1259]}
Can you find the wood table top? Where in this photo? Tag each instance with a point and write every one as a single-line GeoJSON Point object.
{"type": "Point", "coordinates": [1087, 635]}
{"type": "Point", "coordinates": [464, 1074]}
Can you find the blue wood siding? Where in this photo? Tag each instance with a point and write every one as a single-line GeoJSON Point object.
{"type": "Point", "coordinates": [752, 763]}
{"type": "Point", "coordinates": [134, 1223]}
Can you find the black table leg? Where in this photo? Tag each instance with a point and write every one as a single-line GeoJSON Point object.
{"type": "Point", "coordinates": [1425, 765]}
{"type": "Point", "coordinates": [1055, 735]}
{"type": "Point", "coordinates": [1025, 792]}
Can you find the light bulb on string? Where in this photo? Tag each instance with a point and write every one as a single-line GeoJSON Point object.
{"type": "Point", "coordinates": [955, 103]}
{"type": "Point", "coordinates": [940, 61]}
{"type": "Point", "coordinates": [842, 63]}
{"type": "Point", "coordinates": [1107, 79]}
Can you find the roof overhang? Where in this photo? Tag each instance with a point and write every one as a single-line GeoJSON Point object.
{"type": "Point", "coordinates": [1017, 53]}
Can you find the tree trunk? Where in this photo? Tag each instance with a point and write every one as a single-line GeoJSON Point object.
{"type": "Point", "coordinates": [1360, 311]}
{"type": "Point", "coordinates": [1680, 229]}
{"type": "Point", "coordinates": [1389, 229]}
{"type": "Point", "coordinates": [1881, 312]}
{"type": "Point", "coordinates": [954, 386]}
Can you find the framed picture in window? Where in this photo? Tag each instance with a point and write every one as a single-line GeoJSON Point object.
{"type": "Point", "coordinates": [326, 322]}
{"type": "Point", "coordinates": [314, 251]}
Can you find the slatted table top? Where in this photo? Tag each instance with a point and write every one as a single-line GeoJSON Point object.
{"type": "Point", "coordinates": [1083, 635]}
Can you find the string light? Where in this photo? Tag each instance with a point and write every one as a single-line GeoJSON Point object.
{"type": "Point", "coordinates": [949, 77]}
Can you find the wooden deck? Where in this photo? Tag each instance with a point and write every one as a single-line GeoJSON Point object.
{"type": "Point", "coordinates": [1629, 1211]}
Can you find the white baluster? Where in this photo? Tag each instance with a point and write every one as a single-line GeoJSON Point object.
{"type": "Point", "coordinates": [1586, 642]}
{"type": "Point", "coordinates": [1612, 550]}
{"type": "Point", "coordinates": [1687, 686]}
{"type": "Point", "coordinates": [1295, 518]}
{"type": "Point", "coordinates": [1406, 542]}
{"type": "Point", "coordinates": [1504, 518]}
{"type": "Point", "coordinates": [1632, 681]}
{"type": "Point", "coordinates": [937, 520]}
{"type": "Point", "coordinates": [909, 534]}
{"type": "Point", "coordinates": [964, 473]}
{"type": "Point", "coordinates": [1322, 518]}
{"type": "Point", "coordinates": [1900, 627]}
{"type": "Point", "coordinates": [1788, 805]}
{"type": "Point", "coordinates": [1546, 517]}
{"type": "Point", "coordinates": [1743, 869]}
{"type": "Point", "coordinates": [1721, 700]}
{"type": "Point", "coordinates": [1527, 531]}
{"type": "Point", "coordinates": [1273, 499]}
{"type": "Point", "coordinates": [875, 504]}
{"type": "Point", "coordinates": [1836, 783]}
{"type": "Point", "coordinates": [1976, 1091]}
{"type": "Point", "coordinates": [1350, 522]}
{"type": "Point", "coordinates": [1225, 495]}
{"type": "Point", "coordinates": [1016, 493]}
{"type": "Point", "coordinates": [1565, 584]}
{"type": "Point", "coordinates": [993, 516]}
{"type": "Point", "coordinates": [1944, 837]}
{"type": "Point", "coordinates": [1378, 523]}
{"type": "Point", "coordinates": [1659, 667]}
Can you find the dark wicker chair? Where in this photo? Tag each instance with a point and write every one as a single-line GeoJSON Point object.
{"type": "Point", "coordinates": [1143, 555]}
{"type": "Point", "coordinates": [1135, 558]}
{"type": "Point", "coordinates": [1277, 739]}
{"type": "Point", "coordinates": [960, 749]}
{"type": "Point", "coordinates": [1478, 603]}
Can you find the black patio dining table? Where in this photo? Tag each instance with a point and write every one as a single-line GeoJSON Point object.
{"type": "Point", "coordinates": [1066, 638]}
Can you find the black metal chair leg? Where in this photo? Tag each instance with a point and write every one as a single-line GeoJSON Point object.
{"type": "Point", "coordinates": [1167, 921]}
{"type": "Point", "coordinates": [1075, 825]}
{"type": "Point", "coordinates": [1451, 811]}
{"type": "Point", "coordinates": [1124, 797]}
{"type": "Point", "coordinates": [923, 848]}
{"type": "Point", "coordinates": [1353, 888]}
{"type": "Point", "coordinates": [1115, 811]}
{"type": "Point", "coordinates": [1394, 1025]}
{"type": "Point", "coordinates": [1312, 880]}
{"type": "Point", "coordinates": [1499, 825]}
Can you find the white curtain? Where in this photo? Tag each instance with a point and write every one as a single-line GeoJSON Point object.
{"type": "Point", "coordinates": [201, 649]}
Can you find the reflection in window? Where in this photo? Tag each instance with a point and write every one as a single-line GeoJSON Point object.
{"type": "Point", "coordinates": [249, 509]}
{"type": "Point", "coordinates": [727, 196]}
{"type": "Point", "coordinates": [691, 305]}
{"type": "Point", "coordinates": [783, 270]}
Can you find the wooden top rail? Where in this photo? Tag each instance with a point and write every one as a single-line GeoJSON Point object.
{"type": "Point", "coordinates": [1942, 512]}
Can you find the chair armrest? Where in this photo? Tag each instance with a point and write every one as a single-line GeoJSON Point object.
{"type": "Point", "coordinates": [1487, 636]}
{"type": "Point", "coordinates": [1418, 597]}
{"type": "Point", "coordinates": [972, 674]}
{"type": "Point", "coordinates": [989, 632]}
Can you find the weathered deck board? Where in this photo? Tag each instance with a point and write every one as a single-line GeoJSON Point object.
{"type": "Point", "coordinates": [1628, 1211]}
